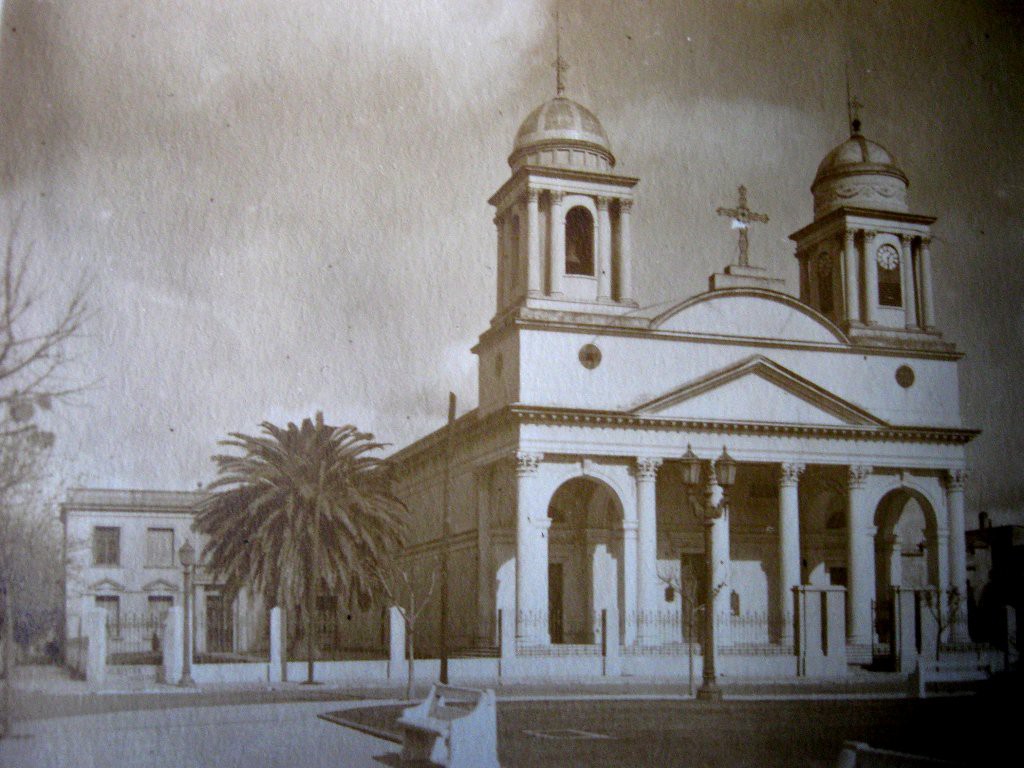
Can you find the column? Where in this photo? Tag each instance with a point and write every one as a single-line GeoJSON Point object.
{"type": "Point", "coordinates": [870, 279]}
{"type": "Point", "coordinates": [894, 548]}
{"type": "Point", "coordinates": [629, 589]}
{"type": "Point", "coordinates": [805, 280]}
{"type": "Point", "coordinates": [647, 546]}
{"type": "Point", "coordinates": [625, 265]}
{"type": "Point", "coordinates": [850, 273]}
{"type": "Point", "coordinates": [860, 563]}
{"type": "Point", "coordinates": [531, 554]}
{"type": "Point", "coordinates": [499, 226]}
{"type": "Point", "coordinates": [722, 564]}
{"type": "Point", "coordinates": [533, 273]}
{"type": "Point", "coordinates": [954, 482]}
{"type": "Point", "coordinates": [927, 303]}
{"type": "Point", "coordinates": [556, 244]}
{"type": "Point", "coordinates": [907, 273]}
{"type": "Point", "coordinates": [604, 242]}
{"type": "Point", "coordinates": [789, 545]}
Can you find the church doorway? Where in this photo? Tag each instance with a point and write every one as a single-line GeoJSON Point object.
{"type": "Point", "coordinates": [906, 551]}
{"type": "Point", "coordinates": [584, 560]}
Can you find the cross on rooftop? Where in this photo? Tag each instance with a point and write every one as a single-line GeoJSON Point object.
{"type": "Point", "coordinates": [742, 217]}
{"type": "Point", "coordinates": [560, 65]}
{"type": "Point", "coordinates": [854, 110]}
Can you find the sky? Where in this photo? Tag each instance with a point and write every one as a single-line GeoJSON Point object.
{"type": "Point", "coordinates": [280, 207]}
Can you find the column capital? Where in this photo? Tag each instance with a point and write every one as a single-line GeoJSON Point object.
{"type": "Point", "coordinates": [647, 467]}
{"type": "Point", "coordinates": [857, 475]}
{"type": "Point", "coordinates": [954, 479]}
{"type": "Point", "coordinates": [789, 473]}
{"type": "Point", "coordinates": [556, 197]}
{"type": "Point", "coordinates": [527, 463]}
{"type": "Point", "coordinates": [925, 241]}
{"type": "Point", "coordinates": [625, 205]}
{"type": "Point", "coordinates": [602, 202]}
{"type": "Point", "coordinates": [869, 235]}
{"type": "Point", "coordinates": [849, 236]}
{"type": "Point", "coordinates": [905, 239]}
{"type": "Point", "coordinates": [532, 194]}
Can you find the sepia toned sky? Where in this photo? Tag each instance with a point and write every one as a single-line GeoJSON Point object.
{"type": "Point", "coordinates": [281, 206]}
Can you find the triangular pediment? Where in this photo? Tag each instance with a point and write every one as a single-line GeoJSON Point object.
{"type": "Point", "coordinates": [159, 585]}
{"type": "Point", "coordinates": [757, 389]}
{"type": "Point", "coordinates": [107, 585]}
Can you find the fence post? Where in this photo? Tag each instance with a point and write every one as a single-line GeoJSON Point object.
{"type": "Point", "coordinates": [171, 647]}
{"type": "Point", "coordinates": [276, 668]}
{"type": "Point", "coordinates": [396, 643]}
{"type": "Point", "coordinates": [95, 629]}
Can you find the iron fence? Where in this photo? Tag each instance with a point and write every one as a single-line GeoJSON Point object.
{"type": "Point", "coordinates": [135, 638]}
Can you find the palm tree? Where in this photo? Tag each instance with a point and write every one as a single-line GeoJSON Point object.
{"type": "Point", "coordinates": [300, 507]}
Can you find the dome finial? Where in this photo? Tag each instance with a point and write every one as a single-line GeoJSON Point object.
{"type": "Point", "coordinates": [560, 65]}
{"type": "Point", "coordinates": [852, 108]}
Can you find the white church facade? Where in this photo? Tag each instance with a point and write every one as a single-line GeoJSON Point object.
{"type": "Point", "coordinates": [841, 408]}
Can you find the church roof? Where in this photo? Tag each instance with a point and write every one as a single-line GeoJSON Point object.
{"type": "Point", "coordinates": [563, 124]}
{"type": "Point", "coordinates": [858, 155]}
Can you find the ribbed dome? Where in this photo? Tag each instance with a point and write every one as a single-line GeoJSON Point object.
{"type": "Point", "coordinates": [859, 173]}
{"type": "Point", "coordinates": [563, 133]}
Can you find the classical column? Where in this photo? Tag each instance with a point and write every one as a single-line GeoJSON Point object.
{"type": "Point", "coordinates": [629, 589]}
{"type": "Point", "coordinates": [531, 553]}
{"type": "Point", "coordinates": [850, 273]}
{"type": "Point", "coordinates": [805, 280]}
{"type": "Point", "coordinates": [556, 244]}
{"type": "Point", "coordinates": [625, 265]}
{"type": "Point", "coordinates": [870, 279]}
{"type": "Point", "coordinates": [954, 481]}
{"type": "Point", "coordinates": [789, 544]}
{"type": "Point", "coordinates": [907, 273]}
{"type": "Point", "coordinates": [604, 241]}
{"type": "Point", "coordinates": [860, 564]}
{"type": "Point", "coordinates": [647, 546]}
{"type": "Point", "coordinates": [499, 226]}
{"type": "Point", "coordinates": [533, 269]}
{"type": "Point", "coordinates": [927, 303]}
{"type": "Point", "coordinates": [722, 564]}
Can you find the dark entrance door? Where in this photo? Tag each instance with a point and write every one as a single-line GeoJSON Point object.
{"type": "Point", "coordinates": [555, 602]}
{"type": "Point", "coordinates": [219, 626]}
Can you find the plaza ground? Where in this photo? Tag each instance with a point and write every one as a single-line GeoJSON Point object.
{"type": "Point", "coordinates": [539, 725]}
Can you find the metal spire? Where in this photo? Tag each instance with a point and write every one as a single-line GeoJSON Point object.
{"type": "Point", "coordinates": [560, 65]}
{"type": "Point", "coordinates": [852, 107]}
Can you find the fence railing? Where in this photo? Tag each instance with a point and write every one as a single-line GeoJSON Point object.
{"type": "Point", "coordinates": [135, 638]}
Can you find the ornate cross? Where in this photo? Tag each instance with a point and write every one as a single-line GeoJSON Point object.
{"type": "Point", "coordinates": [742, 217]}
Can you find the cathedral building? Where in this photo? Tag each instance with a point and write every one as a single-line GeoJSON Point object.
{"type": "Point", "coordinates": [568, 511]}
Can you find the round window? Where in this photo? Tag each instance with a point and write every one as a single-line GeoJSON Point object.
{"type": "Point", "coordinates": [905, 376]}
{"type": "Point", "coordinates": [590, 356]}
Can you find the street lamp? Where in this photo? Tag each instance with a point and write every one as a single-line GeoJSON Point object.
{"type": "Point", "coordinates": [699, 478]}
{"type": "Point", "coordinates": [187, 557]}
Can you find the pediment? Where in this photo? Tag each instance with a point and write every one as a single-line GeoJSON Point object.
{"type": "Point", "coordinates": [107, 585]}
{"type": "Point", "coordinates": [159, 585]}
{"type": "Point", "coordinates": [757, 389]}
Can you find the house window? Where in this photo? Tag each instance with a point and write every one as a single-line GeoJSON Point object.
{"type": "Point", "coordinates": [160, 547]}
{"type": "Point", "coordinates": [106, 546]}
{"type": "Point", "coordinates": [579, 242]}
{"type": "Point", "coordinates": [112, 605]}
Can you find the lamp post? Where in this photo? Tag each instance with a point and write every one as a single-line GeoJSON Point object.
{"type": "Point", "coordinates": [699, 478]}
{"type": "Point", "coordinates": [187, 557]}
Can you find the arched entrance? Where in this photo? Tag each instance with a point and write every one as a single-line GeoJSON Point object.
{"type": "Point", "coordinates": [907, 551]}
{"type": "Point", "coordinates": [584, 560]}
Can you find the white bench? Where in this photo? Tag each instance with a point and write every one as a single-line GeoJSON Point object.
{"type": "Point", "coordinates": [454, 727]}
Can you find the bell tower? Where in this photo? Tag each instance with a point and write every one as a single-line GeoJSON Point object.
{"type": "Point", "coordinates": [865, 260]}
{"type": "Point", "coordinates": [563, 217]}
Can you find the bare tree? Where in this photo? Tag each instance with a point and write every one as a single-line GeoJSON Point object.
{"type": "Point", "coordinates": [410, 596]}
{"type": "Point", "coordinates": [945, 612]}
{"type": "Point", "coordinates": [37, 329]}
{"type": "Point", "coordinates": [692, 607]}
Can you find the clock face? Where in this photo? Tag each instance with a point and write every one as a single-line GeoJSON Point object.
{"type": "Point", "coordinates": [888, 257]}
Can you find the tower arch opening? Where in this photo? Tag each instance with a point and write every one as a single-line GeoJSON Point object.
{"type": "Point", "coordinates": [579, 242]}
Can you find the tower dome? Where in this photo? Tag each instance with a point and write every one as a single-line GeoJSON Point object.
{"type": "Point", "coordinates": [859, 173]}
{"type": "Point", "coordinates": [563, 134]}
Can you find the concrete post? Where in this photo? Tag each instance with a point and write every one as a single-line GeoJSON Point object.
{"type": "Point", "coordinates": [95, 622]}
{"type": "Point", "coordinates": [789, 545]}
{"type": "Point", "coordinates": [396, 644]}
{"type": "Point", "coordinates": [174, 628]}
{"type": "Point", "coordinates": [276, 667]}
{"type": "Point", "coordinates": [647, 547]}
